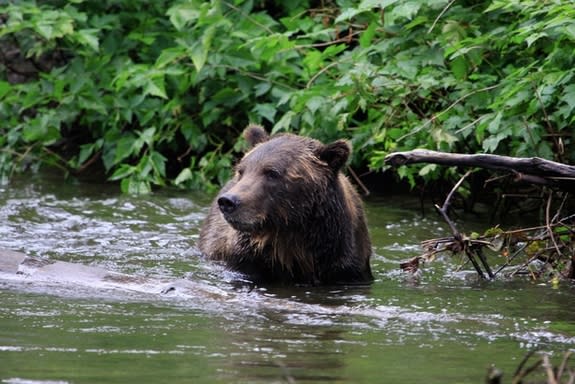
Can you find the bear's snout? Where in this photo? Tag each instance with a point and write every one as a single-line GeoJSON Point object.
{"type": "Point", "coordinates": [228, 203]}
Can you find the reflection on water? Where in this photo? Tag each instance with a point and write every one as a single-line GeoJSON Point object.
{"type": "Point", "coordinates": [447, 328]}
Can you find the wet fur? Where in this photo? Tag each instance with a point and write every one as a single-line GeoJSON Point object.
{"type": "Point", "coordinates": [300, 220]}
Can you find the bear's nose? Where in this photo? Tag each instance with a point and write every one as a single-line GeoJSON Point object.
{"type": "Point", "coordinates": [228, 203]}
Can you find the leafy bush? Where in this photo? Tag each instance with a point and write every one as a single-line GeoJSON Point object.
{"type": "Point", "coordinates": [158, 92]}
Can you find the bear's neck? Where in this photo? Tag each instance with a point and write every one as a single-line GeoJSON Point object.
{"type": "Point", "coordinates": [283, 250]}
{"type": "Point", "coordinates": [288, 253]}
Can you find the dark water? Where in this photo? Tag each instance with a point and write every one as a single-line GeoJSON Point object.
{"type": "Point", "coordinates": [446, 328]}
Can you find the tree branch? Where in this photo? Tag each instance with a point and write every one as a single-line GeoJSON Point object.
{"type": "Point", "coordinates": [534, 170]}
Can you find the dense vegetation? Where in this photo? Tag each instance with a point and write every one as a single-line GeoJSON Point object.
{"type": "Point", "coordinates": [157, 92]}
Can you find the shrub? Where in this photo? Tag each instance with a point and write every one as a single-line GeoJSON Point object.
{"type": "Point", "coordinates": [157, 93]}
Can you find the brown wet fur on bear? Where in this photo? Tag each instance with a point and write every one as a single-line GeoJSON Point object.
{"type": "Point", "coordinates": [289, 215]}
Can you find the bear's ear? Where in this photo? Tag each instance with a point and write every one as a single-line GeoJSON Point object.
{"type": "Point", "coordinates": [335, 154]}
{"type": "Point", "coordinates": [255, 134]}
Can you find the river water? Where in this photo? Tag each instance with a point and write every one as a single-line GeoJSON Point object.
{"type": "Point", "coordinates": [447, 327]}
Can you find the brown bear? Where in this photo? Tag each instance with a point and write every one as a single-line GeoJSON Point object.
{"type": "Point", "coordinates": [289, 216]}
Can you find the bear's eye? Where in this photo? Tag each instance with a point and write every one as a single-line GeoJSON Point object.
{"type": "Point", "coordinates": [240, 172]}
{"type": "Point", "coordinates": [272, 174]}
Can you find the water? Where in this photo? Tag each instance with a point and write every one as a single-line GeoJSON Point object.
{"type": "Point", "coordinates": [445, 328]}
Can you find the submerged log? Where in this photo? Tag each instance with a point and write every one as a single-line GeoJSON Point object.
{"type": "Point", "coordinates": [533, 170]}
{"type": "Point", "coordinates": [17, 268]}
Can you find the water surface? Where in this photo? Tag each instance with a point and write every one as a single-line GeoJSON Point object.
{"type": "Point", "coordinates": [448, 327]}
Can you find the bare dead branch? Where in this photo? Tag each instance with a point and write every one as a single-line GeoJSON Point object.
{"type": "Point", "coordinates": [531, 169]}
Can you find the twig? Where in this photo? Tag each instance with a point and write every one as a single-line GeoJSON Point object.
{"type": "Point", "coordinates": [563, 364]}
{"type": "Point", "coordinates": [444, 208]}
{"type": "Point", "coordinates": [318, 74]}
{"type": "Point", "coordinates": [88, 163]}
{"type": "Point", "coordinates": [548, 225]}
{"type": "Point", "coordinates": [358, 181]}
{"type": "Point", "coordinates": [550, 129]}
{"type": "Point", "coordinates": [520, 373]}
{"type": "Point", "coordinates": [345, 39]}
{"type": "Point", "coordinates": [452, 105]}
{"type": "Point", "coordinates": [549, 370]}
{"type": "Point", "coordinates": [511, 258]}
{"type": "Point", "coordinates": [479, 252]}
{"type": "Point", "coordinates": [254, 21]}
{"type": "Point", "coordinates": [457, 235]}
{"type": "Point", "coordinates": [470, 124]}
{"type": "Point", "coordinates": [471, 258]}
{"type": "Point", "coordinates": [558, 213]}
{"type": "Point", "coordinates": [440, 15]}
{"type": "Point", "coordinates": [525, 264]}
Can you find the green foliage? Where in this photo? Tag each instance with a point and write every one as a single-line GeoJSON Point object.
{"type": "Point", "coordinates": [158, 92]}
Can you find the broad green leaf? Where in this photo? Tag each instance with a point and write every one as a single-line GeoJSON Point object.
{"type": "Point", "coordinates": [184, 175]}
{"type": "Point", "coordinates": [147, 136]}
{"type": "Point", "coordinates": [427, 169]}
{"type": "Point", "coordinates": [5, 87]}
{"type": "Point", "coordinates": [122, 172]}
{"type": "Point", "coordinates": [369, 4]}
{"type": "Point", "coordinates": [169, 55]}
{"type": "Point", "coordinates": [86, 151]}
{"type": "Point", "coordinates": [158, 162]}
{"type": "Point", "coordinates": [367, 36]}
{"type": "Point", "coordinates": [199, 55]}
{"type": "Point", "coordinates": [568, 96]}
{"type": "Point", "coordinates": [89, 37]}
{"type": "Point", "coordinates": [459, 67]}
{"type": "Point", "coordinates": [156, 87]}
{"type": "Point", "coordinates": [284, 123]}
{"type": "Point", "coordinates": [348, 14]}
{"type": "Point", "coordinates": [267, 111]}
{"type": "Point", "coordinates": [495, 123]}
{"type": "Point", "coordinates": [405, 10]}
{"type": "Point", "coordinates": [313, 60]}
{"type": "Point", "coordinates": [534, 37]}
{"type": "Point", "coordinates": [134, 186]}
{"type": "Point", "coordinates": [124, 148]}
{"type": "Point", "coordinates": [183, 13]}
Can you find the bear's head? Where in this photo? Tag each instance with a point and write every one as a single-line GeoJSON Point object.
{"type": "Point", "coordinates": [281, 181]}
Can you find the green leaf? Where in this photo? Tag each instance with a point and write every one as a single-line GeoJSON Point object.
{"type": "Point", "coordinates": [89, 37]}
{"type": "Point", "coordinates": [459, 67]}
{"type": "Point", "coordinates": [134, 186]}
{"type": "Point", "coordinates": [284, 123]}
{"type": "Point", "coordinates": [184, 175]}
{"type": "Point", "coordinates": [199, 55]}
{"type": "Point", "coordinates": [86, 151]}
{"type": "Point", "coordinates": [267, 111]}
{"type": "Point", "coordinates": [369, 4]}
{"type": "Point", "coordinates": [348, 14]}
{"type": "Point", "coordinates": [158, 162]}
{"type": "Point", "coordinates": [156, 87]}
{"type": "Point", "coordinates": [568, 96]}
{"type": "Point", "coordinates": [313, 60]}
{"type": "Point", "coordinates": [147, 136]}
{"type": "Point", "coordinates": [122, 172]}
{"type": "Point", "coordinates": [169, 56]}
{"type": "Point", "coordinates": [5, 87]}
{"type": "Point", "coordinates": [427, 169]}
{"type": "Point", "coordinates": [405, 10]}
{"type": "Point", "coordinates": [124, 148]}
{"type": "Point", "coordinates": [183, 13]}
{"type": "Point", "coordinates": [495, 123]}
{"type": "Point", "coordinates": [534, 37]}
{"type": "Point", "coordinates": [367, 36]}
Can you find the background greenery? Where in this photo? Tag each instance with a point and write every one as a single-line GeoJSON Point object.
{"type": "Point", "coordinates": [158, 92]}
